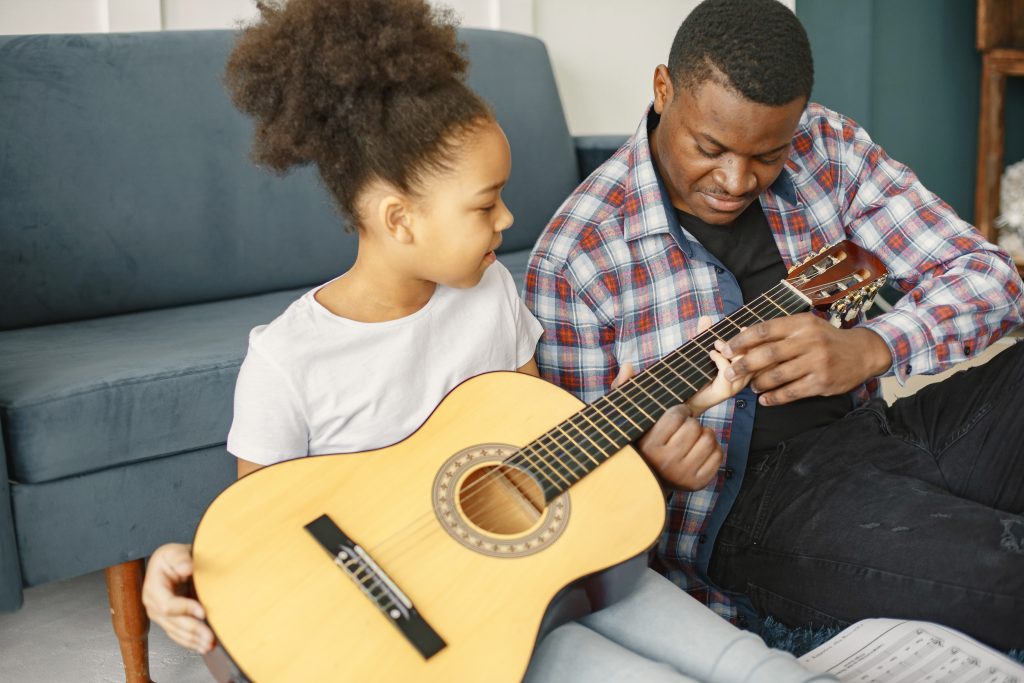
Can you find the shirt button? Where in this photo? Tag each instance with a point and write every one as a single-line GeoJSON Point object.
{"type": "Point", "coordinates": [741, 403]}
{"type": "Point", "coordinates": [719, 269]}
{"type": "Point", "coordinates": [728, 472]}
{"type": "Point", "coordinates": [908, 369]}
{"type": "Point", "coordinates": [703, 538]}
{"type": "Point", "coordinates": [967, 349]}
{"type": "Point", "coordinates": [741, 621]}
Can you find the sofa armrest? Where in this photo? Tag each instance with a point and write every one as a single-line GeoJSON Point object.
{"type": "Point", "coordinates": [594, 150]}
{"type": "Point", "coordinates": [10, 567]}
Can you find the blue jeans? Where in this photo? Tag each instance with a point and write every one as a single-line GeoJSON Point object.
{"type": "Point", "coordinates": [907, 511]}
{"type": "Point", "coordinates": [659, 634]}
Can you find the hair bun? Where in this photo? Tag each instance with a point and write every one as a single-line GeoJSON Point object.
{"type": "Point", "coordinates": [331, 68]}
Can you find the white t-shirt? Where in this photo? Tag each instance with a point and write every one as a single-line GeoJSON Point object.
{"type": "Point", "coordinates": [314, 383]}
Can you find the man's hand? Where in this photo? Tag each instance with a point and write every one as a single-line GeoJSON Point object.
{"type": "Point", "coordinates": [167, 576]}
{"type": "Point", "coordinates": [802, 355]}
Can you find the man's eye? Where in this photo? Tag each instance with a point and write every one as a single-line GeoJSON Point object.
{"type": "Point", "coordinates": [709, 155]}
{"type": "Point", "coordinates": [770, 160]}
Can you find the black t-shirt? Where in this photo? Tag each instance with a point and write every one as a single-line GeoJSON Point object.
{"type": "Point", "coordinates": [747, 249]}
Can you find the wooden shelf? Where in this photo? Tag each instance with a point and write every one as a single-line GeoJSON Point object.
{"type": "Point", "coordinates": [1000, 38]}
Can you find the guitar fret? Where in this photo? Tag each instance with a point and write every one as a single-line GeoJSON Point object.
{"type": "Point", "coordinates": [535, 465]}
{"type": "Point", "coordinates": [583, 450]}
{"type": "Point", "coordinates": [639, 386]}
{"type": "Point", "coordinates": [567, 451]}
{"type": "Point", "coordinates": [581, 432]}
{"type": "Point", "coordinates": [551, 468]}
{"type": "Point", "coordinates": [608, 420]}
{"type": "Point", "coordinates": [556, 452]}
{"type": "Point", "coordinates": [624, 393]}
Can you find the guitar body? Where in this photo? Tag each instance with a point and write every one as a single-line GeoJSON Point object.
{"type": "Point", "coordinates": [474, 552]}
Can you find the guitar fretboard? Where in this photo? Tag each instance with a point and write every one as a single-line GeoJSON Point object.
{"type": "Point", "coordinates": [575, 447]}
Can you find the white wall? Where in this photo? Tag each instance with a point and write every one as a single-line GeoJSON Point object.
{"type": "Point", "coordinates": [604, 51]}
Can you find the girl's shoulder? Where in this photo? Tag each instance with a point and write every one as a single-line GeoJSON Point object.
{"type": "Point", "coordinates": [293, 331]}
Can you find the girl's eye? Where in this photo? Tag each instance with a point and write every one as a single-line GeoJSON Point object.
{"type": "Point", "coordinates": [488, 208]}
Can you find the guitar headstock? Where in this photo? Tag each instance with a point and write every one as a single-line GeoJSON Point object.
{"type": "Point", "coordinates": [842, 279]}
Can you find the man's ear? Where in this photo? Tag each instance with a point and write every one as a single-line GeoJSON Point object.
{"type": "Point", "coordinates": [396, 216]}
{"type": "Point", "coordinates": [663, 90]}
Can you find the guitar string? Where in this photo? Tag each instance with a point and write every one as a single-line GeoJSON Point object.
{"type": "Point", "coordinates": [680, 351]}
{"type": "Point", "coordinates": [768, 304]}
{"type": "Point", "coordinates": [762, 305]}
{"type": "Point", "coordinates": [475, 487]}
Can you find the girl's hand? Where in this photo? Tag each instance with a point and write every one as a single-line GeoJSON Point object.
{"type": "Point", "coordinates": [721, 388]}
{"type": "Point", "coordinates": [167, 577]}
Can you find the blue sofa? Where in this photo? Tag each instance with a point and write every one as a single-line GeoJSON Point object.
{"type": "Point", "coordinates": [138, 246]}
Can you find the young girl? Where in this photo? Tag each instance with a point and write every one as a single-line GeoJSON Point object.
{"type": "Point", "coordinates": [372, 92]}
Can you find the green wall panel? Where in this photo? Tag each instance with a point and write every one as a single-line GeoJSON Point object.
{"type": "Point", "coordinates": [907, 70]}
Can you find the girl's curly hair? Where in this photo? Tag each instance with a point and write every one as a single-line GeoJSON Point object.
{"type": "Point", "coordinates": [364, 89]}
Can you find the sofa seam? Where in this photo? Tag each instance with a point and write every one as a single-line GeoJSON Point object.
{"type": "Point", "coordinates": [127, 382]}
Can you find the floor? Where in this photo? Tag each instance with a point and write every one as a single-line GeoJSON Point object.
{"type": "Point", "coordinates": [63, 634]}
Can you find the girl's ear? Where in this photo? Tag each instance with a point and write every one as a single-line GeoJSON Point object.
{"type": "Point", "coordinates": [396, 216]}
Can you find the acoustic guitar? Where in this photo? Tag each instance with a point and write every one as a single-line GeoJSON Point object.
{"type": "Point", "coordinates": [434, 559]}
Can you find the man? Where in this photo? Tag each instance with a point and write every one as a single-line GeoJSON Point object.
{"type": "Point", "coordinates": [831, 507]}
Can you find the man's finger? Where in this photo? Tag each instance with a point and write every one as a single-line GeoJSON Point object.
{"type": "Point", "coordinates": [793, 391]}
{"type": "Point", "coordinates": [767, 331]}
{"type": "Point", "coordinates": [779, 376]}
{"type": "Point", "coordinates": [763, 357]}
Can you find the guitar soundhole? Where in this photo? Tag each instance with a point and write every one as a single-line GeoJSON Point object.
{"type": "Point", "coordinates": [493, 508]}
{"type": "Point", "coordinates": [501, 499]}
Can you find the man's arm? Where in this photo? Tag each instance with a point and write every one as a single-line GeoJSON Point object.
{"type": "Point", "coordinates": [962, 292]}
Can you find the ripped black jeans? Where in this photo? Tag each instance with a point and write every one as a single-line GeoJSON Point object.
{"type": "Point", "coordinates": [909, 511]}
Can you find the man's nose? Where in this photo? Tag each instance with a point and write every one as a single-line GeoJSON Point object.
{"type": "Point", "coordinates": [736, 177]}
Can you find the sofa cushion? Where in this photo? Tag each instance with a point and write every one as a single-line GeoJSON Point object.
{"type": "Point", "coordinates": [126, 183]}
{"type": "Point", "coordinates": [84, 396]}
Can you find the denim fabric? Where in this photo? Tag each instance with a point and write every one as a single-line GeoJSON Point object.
{"type": "Point", "coordinates": [659, 634]}
{"type": "Point", "coordinates": [908, 511]}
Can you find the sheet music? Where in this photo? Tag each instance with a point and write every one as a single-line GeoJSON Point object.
{"type": "Point", "coordinates": [896, 651]}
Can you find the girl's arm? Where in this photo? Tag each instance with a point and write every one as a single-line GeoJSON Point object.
{"type": "Point", "coordinates": [530, 368]}
{"type": "Point", "coordinates": [245, 467]}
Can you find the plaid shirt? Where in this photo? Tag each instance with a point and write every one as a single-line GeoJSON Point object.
{"type": "Point", "coordinates": [614, 279]}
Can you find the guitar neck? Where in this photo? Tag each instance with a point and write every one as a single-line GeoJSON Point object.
{"type": "Point", "coordinates": [575, 447]}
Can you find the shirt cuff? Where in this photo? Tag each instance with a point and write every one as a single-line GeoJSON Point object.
{"type": "Point", "coordinates": [909, 342]}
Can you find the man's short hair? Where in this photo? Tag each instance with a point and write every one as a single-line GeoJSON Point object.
{"type": "Point", "coordinates": [758, 45]}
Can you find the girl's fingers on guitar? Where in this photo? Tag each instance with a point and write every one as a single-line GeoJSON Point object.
{"type": "Point", "coordinates": [692, 470]}
{"type": "Point", "coordinates": [665, 429]}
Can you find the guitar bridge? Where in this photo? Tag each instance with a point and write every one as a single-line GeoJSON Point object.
{"type": "Point", "coordinates": [376, 585]}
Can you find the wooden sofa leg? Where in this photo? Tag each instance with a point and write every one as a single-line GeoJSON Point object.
{"type": "Point", "coordinates": [124, 590]}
